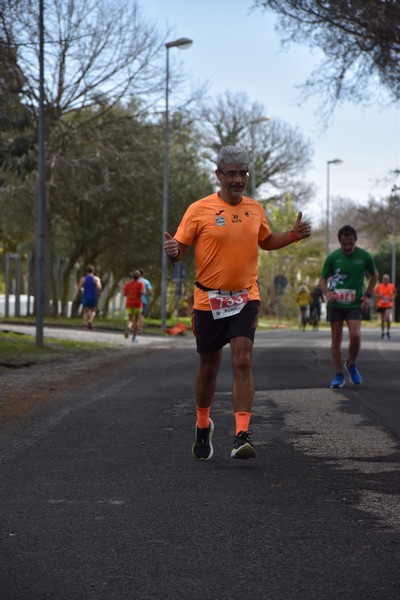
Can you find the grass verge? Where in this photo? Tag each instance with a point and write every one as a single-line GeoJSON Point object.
{"type": "Point", "coordinates": [18, 350]}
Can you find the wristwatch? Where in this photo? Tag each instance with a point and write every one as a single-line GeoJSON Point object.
{"type": "Point", "coordinates": [368, 295]}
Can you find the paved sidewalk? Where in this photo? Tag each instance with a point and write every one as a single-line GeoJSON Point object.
{"type": "Point", "coordinates": [104, 337]}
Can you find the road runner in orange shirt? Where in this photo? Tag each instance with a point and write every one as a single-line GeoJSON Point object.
{"type": "Point", "coordinates": [227, 228]}
{"type": "Point", "coordinates": [385, 293]}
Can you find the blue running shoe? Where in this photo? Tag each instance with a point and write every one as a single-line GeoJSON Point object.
{"type": "Point", "coordinates": [353, 372]}
{"type": "Point", "coordinates": [337, 381]}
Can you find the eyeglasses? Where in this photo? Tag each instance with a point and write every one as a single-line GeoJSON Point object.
{"type": "Point", "coordinates": [233, 174]}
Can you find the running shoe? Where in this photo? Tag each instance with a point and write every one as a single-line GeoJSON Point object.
{"type": "Point", "coordinates": [202, 448]}
{"type": "Point", "coordinates": [388, 335]}
{"type": "Point", "coordinates": [242, 446]}
{"type": "Point", "coordinates": [353, 372]}
{"type": "Point", "coordinates": [126, 333]}
{"type": "Point", "coordinates": [337, 381]}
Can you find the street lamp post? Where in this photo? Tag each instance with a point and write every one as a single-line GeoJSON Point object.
{"type": "Point", "coordinates": [253, 124]}
{"type": "Point", "coordinates": [181, 43]}
{"type": "Point", "coordinates": [335, 161]}
{"type": "Point", "coordinates": [395, 189]}
{"type": "Point", "coordinates": [41, 194]}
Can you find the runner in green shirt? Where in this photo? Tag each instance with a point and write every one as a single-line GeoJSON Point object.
{"type": "Point", "coordinates": [342, 282]}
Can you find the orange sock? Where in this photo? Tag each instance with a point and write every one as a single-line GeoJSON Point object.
{"type": "Point", "coordinates": [242, 421]}
{"type": "Point", "coordinates": [203, 417]}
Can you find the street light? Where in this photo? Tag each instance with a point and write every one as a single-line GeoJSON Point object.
{"type": "Point", "coordinates": [253, 124]}
{"type": "Point", "coordinates": [41, 238]}
{"type": "Point", "coordinates": [181, 43]}
{"type": "Point", "coordinates": [395, 189]}
{"type": "Point", "coordinates": [335, 161]}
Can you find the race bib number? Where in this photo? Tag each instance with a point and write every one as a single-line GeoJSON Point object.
{"type": "Point", "coordinates": [226, 304]}
{"type": "Point", "coordinates": [345, 296]}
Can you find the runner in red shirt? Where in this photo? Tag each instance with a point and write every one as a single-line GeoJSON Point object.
{"type": "Point", "coordinates": [133, 291]}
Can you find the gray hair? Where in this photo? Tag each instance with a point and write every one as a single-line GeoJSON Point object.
{"type": "Point", "coordinates": [232, 154]}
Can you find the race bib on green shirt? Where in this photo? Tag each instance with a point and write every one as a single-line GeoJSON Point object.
{"type": "Point", "coordinates": [345, 296]}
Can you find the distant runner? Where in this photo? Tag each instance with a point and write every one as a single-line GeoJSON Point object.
{"type": "Point", "coordinates": [90, 286]}
{"type": "Point", "coordinates": [385, 293]}
{"type": "Point", "coordinates": [342, 283]}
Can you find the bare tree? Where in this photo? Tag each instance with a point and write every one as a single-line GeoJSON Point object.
{"type": "Point", "coordinates": [94, 49]}
{"type": "Point", "coordinates": [360, 40]}
{"type": "Point", "coordinates": [278, 152]}
{"type": "Point", "coordinates": [97, 53]}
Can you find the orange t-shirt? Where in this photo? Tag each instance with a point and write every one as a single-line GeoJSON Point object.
{"type": "Point", "coordinates": [226, 244]}
{"type": "Point", "coordinates": [387, 292]}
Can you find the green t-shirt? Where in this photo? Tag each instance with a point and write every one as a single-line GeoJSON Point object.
{"type": "Point", "coordinates": [347, 274]}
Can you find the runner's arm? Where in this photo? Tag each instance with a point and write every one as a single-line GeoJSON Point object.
{"type": "Point", "coordinates": [276, 241]}
{"type": "Point", "coordinates": [329, 295]}
{"type": "Point", "coordinates": [371, 284]}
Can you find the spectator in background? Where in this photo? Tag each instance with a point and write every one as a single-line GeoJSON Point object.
{"type": "Point", "coordinates": [385, 293]}
{"type": "Point", "coordinates": [145, 299]}
{"type": "Point", "coordinates": [317, 298]}
{"type": "Point", "coordinates": [90, 286]}
{"type": "Point", "coordinates": [303, 300]}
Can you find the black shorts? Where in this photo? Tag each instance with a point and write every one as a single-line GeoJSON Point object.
{"type": "Point", "coordinates": [212, 334]}
{"type": "Point", "coordinates": [343, 314]}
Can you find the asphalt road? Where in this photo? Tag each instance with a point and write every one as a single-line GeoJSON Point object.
{"type": "Point", "coordinates": [100, 497]}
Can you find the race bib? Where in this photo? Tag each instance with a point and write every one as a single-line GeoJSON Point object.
{"type": "Point", "coordinates": [226, 304]}
{"type": "Point", "coordinates": [345, 296]}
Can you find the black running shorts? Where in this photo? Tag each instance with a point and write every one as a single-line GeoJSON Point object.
{"type": "Point", "coordinates": [212, 334]}
{"type": "Point", "coordinates": [343, 314]}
